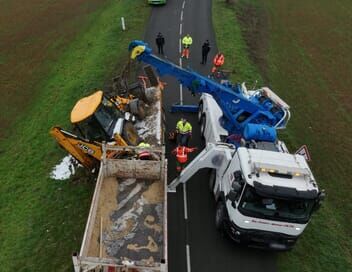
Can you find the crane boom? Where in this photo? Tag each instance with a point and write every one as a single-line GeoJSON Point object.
{"type": "Point", "coordinates": [259, 110]}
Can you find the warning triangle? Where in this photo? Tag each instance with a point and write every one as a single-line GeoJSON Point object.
{"type": "Point", "coordinates": [303, 151]}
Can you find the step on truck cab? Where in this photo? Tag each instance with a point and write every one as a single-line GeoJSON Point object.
{"type": "Point", "coordinates": [264, 195]}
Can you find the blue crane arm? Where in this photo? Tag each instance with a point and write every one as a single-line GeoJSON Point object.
{"type": "Point", "coordinates": [238, 110]}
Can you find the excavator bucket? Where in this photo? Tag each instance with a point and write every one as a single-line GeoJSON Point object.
{"type": "Point", "coordinates": [86, 152]}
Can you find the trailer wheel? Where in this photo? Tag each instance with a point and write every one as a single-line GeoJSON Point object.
{"type": "Point", "coordinates": [203, 121]}
{"type": "Point", "coordinates": [200, 112]}
{"type": "Point", "coordinates": [129, 134]}
{"type": "Point", "coordinates": [212, 178]}
{"type": "Point", "coordinates": [220, 216]}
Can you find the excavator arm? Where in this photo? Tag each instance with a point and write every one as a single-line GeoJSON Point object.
{"type": "Point", "coordinates": [263, 109]}
{"type": "Point", "coordinates": [86, 152]}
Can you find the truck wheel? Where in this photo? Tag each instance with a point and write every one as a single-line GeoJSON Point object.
{"type": "Point", "coordinates": [200, 112]}
{"type": "Point", "coordinates": [203, 121]}
{"type": "Point", "coordinates": [212, 178]}
{"type": "Point", "coordinates": [129, 134]}
{"type": "Point", "coordinates": [220, 216]}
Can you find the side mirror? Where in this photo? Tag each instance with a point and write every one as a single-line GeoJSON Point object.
{"type": "Point", "coordinates": [236, 187]}
{"type": "Point", "coordinates": [319, 200]}
{"type": "Point", "coordinates": [238, 175]}
{"type": "Point", "coordinates": [321, 196]}
{"type": "Point", "coordinates": [232, 195]}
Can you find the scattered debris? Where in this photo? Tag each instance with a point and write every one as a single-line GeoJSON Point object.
{"type": "Point", "coordinates": [150, 128]}
{"type": "Point", "coordinates": [65, 169]}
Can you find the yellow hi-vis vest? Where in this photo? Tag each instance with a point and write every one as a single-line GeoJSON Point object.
{"type": "Point", "coordinates": [187, 41]}
{"type": "Point", "coordinates": [183, 128]}
{"type": "Point", "coordinates": [143, 154]}
{"type": "Point", "coordinates": [143, 144]}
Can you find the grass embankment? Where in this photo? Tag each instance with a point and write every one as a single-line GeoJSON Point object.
{"type": "Point", "coordinates": [308, 52]}
{"type": "Point", "coordinates": [230, 41]}
{"type": "Point", "coordinates": [42, 220]}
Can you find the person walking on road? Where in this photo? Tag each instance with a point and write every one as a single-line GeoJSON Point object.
{"type": "Point", "coordinates": [181, 156]}
{"type": "Point", "coordinates": [205, 51]}
{"type": "Point", "coordinates": [218, 61]}
{"type": "Point", "coordinates": [184, 132]}
{"type": "Point", "coordinates": [160, 41]}
{"type": "Point", "coordinates": [186, 42]}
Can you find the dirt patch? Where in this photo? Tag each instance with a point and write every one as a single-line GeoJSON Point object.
{"type": "Point", "coordinates": [151, 246]}
{"type": "Point", "coordinates": [154, 194]}
{"type": "Point", "coordinates": [255, 30]}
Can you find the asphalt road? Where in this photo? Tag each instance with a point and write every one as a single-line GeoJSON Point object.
{"type": "Point", "coordinates": [194, 244]}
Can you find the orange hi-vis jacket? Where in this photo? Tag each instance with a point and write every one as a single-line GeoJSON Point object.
{"type": "Point", "coordinates": [219, 60]}
{"type": "Point", "coordinates": [181, 153]}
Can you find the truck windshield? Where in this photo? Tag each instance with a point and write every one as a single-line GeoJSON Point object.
{"type": "Point", "coordinates": [293, 210]}
{"type": "Point", "coordinates": [107, 115]}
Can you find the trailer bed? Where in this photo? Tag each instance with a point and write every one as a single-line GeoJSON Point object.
{"type": "Point", "coordinates": [130, 217]}
{"type": "Point", "coordinates": [126, 228]}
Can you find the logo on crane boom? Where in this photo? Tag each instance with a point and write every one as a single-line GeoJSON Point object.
{"type": "Point", "coordinates": [303, 151]}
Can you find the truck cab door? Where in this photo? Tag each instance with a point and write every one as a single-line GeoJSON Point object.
{"type": "Point", "coordinates": [233, 182]}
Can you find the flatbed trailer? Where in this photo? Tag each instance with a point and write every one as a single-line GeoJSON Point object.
{"type": "Point", "coordinates": [126, 228]}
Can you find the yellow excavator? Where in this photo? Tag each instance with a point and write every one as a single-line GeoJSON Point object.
{"type": "Point", "coordinates": [96, 119]}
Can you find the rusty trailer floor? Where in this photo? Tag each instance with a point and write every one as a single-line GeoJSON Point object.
{"type": "Point", "coordinates": [130, 217]}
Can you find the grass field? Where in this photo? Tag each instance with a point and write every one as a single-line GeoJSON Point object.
{"type": "Point", "coordinates": [42, 221]}
{"type": "Point", "coordinates": [307, 60]}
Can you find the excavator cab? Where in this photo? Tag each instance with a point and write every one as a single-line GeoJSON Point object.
{"type": "Point", "coordinates": [97, 118]}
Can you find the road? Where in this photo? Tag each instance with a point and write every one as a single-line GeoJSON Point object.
{"type": "Point", "coordinates": [194, 244]}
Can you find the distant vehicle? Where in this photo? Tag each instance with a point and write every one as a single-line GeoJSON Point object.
{"type": "Point", "coordinates": [157, 2]}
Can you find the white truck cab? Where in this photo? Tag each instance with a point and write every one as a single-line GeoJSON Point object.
{"type": "Point", "coordinates": [265, 196]}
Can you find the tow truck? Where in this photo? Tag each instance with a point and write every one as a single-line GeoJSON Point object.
{"type": "Point", "coordinates": [264, 195]}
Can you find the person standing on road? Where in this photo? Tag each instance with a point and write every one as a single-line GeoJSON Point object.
{"type": "Point", "coordinates": [218, 61]}
{"type": "Point", "coordinates": [186, 42]}
{"type": "Point", "coordinates": [205, 51]}
{"type": "Point", "coordinates": [160, 41]}
{"type": "Point", "coordinates": [184, 132]}
{"type": "Point", "coordinates": [181, 156]}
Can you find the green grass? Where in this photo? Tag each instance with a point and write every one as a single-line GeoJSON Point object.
{"type": "Point", "coordinates": [230, 41]}
{"type": "Point", "coordinates": [42, 221]}
{"type": "Point", "coordinates": [304, 64]}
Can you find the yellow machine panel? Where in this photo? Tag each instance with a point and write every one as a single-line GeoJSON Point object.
{"type": "Point", "coordinates": [85, 107]}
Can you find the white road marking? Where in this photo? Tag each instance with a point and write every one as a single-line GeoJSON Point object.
{"type": "Point", "coordinates": [181, 95]}
{"type": "Point", "coordinates": [184, 192]}
{"type": "Point", "coordinates": [188, 256]}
